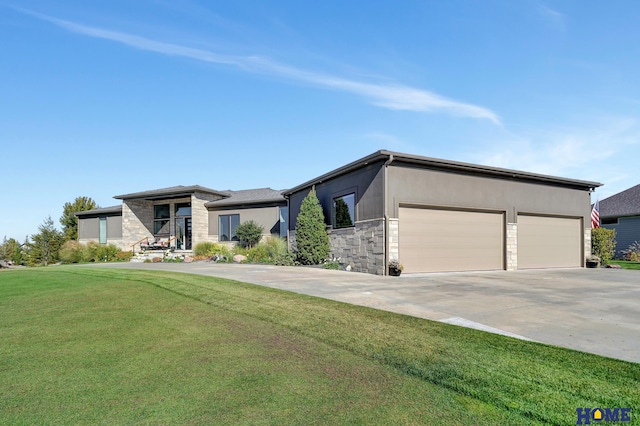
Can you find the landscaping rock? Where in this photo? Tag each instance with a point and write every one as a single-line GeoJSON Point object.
{"type": "Point", "coordinates": [188, 259]}
{"type": "Point", "coordinates": [614, 266]}
{"type": "Point", "coordinates": [238, 258]}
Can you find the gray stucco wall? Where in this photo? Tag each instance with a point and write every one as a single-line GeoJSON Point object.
{"type": "Point", "coordinates": [627, 232]}
{"type": "Point", "coordinates": [412, 185]}
{"type": "Point", "coordinates": [268, 217]}
{"type": "Point", "coordinates": [366, 183]}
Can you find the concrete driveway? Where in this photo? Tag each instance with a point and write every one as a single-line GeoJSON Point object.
{"type": "Point", "coordinates": [591, 310]}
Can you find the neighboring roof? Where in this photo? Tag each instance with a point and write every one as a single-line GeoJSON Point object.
{"type": "Point", "coordinates": [102, 210]}
{"type": "Point", "coordinates": [173, 191]}
{"type": "Point", "coordinates": [249, 196]}
{"type": "Point", "coordinates": [625, 203]}
{"type": "Point", "coordinates": [439, 164]}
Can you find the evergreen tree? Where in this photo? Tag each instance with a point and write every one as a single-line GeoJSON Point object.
{"type": "Point", "coordinates": [45, 245]}
{"type": "Point", "coordinates": [11, 250]}
{"type": "Point", "coordinates": [312, 241]}
{"type": "Point", "coordinates": [69, 221]}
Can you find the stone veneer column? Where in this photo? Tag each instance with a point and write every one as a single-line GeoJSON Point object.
{"type": "Point", "coordinates": [512, 246]}
{"type": "Point", "coordinates": [200, 218]}
{"type": "Point", "coordinates": [137, 221]}
{"type": "Point", "coordinates": [587, 245]}
{"type": "Point", "coordinates": [394, 239]}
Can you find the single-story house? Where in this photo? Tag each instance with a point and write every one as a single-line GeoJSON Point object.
{"type": "Point", "coordinates": [432, 215]}
{"type": "Point", "coordinates": [622, 213]}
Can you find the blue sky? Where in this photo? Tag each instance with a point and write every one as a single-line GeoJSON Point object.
{"type": "Point", "coordinates": [109, 97]}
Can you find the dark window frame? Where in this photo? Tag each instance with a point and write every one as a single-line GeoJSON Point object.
{"type": "Point", "coordinates": [161, 218]}
{"type": "Point", "coordinates": [230, 226]}
{"type": "Point", "coordinates": [351, 212]}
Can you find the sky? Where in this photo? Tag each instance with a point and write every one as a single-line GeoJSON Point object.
{"type": "Point", "coordinates": [110, 97]}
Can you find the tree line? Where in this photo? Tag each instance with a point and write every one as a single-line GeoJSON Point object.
{"type": "Point", "coordinates": [43, 248]}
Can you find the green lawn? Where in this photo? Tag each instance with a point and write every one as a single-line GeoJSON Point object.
{"type": "Point", "coordinates": [100, 346]}
{"type": "Point", "coordinates": [626, 264]}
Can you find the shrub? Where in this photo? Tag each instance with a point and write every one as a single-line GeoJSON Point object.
{"type": "Point", "coordinates": [259, 254]}
{"type": "Point", "coordinates": [632, 253]}
{"type": "Point", "coordinates": [207, 249]}
{"type": "Point", "coordinates": [74, 252]}
{"type": "Point", "coordinates": [285, 259]}
{"type": "Point", "coordinates": [71, 252]}
{"type": "Point", "coordinates": [332, 265]}
{"type": "Point", "coordinates": [106, 253]}
{"type": "Point", "coordinates": [312, 241]}
{"type": "Point", "coordinates": [603, 243]}
{"type": "Point", "coordinates": [123, 256]}
{"type": "Point", "coordinates": [90, 251]}
{"type": "Point", "coordinates": [249, 233]}
{"type": "Point", "coordinates": [238, 249]}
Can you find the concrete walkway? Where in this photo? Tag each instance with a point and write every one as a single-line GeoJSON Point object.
{"type": "Point", "coordinates": [591, 310]}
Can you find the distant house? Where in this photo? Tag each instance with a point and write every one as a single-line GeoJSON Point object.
{"type": "Point", "coordinates": [432, 215]}
{"type": "Point", "coordinates": [622, 213]}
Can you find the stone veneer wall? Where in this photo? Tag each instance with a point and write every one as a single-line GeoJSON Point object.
{"type": "Point", "coordinates": [362, 247]}
{"type": "Point", "coordinates": [512, 246]}
{"type": "Point", "coordinates": [137, 221]}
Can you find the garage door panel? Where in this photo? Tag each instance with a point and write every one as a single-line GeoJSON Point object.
{"type": "Point", "coordinates": [549, 242]}
{"type": "Point", "coordinates": [433, 240]}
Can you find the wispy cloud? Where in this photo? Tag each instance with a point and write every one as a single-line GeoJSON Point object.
{"type": "Point", "coordinates": [598, 153]}
{"type": "Point", "coordinates": [390, 96]}
{"type": "Point", "coordinates": [555, 17]}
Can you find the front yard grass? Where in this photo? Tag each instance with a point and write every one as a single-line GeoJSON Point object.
{"type": "Point", "coordinates": [101, 346]}
{"type": "Point", "coordinates": [626, 264]}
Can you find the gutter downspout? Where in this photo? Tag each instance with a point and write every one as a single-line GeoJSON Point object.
{"type": "Point", "coordinates": [386, 216]}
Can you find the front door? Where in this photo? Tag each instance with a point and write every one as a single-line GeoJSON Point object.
{"type": "Point", "coordinates": [183, 233]}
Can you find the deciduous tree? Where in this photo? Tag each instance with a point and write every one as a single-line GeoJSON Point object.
{"type": "Point", "coordinates": [249, 233]}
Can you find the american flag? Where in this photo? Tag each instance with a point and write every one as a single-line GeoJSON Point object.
{"type": "Point", "coordinates": [595, 215]}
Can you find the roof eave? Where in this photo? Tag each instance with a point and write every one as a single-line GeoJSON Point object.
{"type": "Point", "coordinates": [447, 165]}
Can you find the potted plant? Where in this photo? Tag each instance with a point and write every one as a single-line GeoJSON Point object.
{"type": "Point", "coordinates": [593, 261]}
{"type": "Point", "coordinates": [395, 268]}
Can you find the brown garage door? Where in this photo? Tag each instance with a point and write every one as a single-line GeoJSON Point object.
{"type": "Point", "coordinates": [432, 240]}
{"type": "Point", "coordinates": [549, 242]}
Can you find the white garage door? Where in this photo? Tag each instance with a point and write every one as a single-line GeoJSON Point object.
{"type": "Point", "coordinates": [432, 240]}
{"type": "Point", "coordinates": [549, 242]}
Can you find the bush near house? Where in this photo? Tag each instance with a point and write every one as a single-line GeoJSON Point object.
{"type": "Point", "coordinates": [603, 243]}
{"type": "Point", "coordinates": [75, 252]}
{"type": "Point", "coordinates": [632, 253]}
{"type": "Point", "coordinates": [249, 233]}
{"type": "Point", "coordinates": [312, 241]}
{"type": "Point", "coordinates": [207, 249]}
